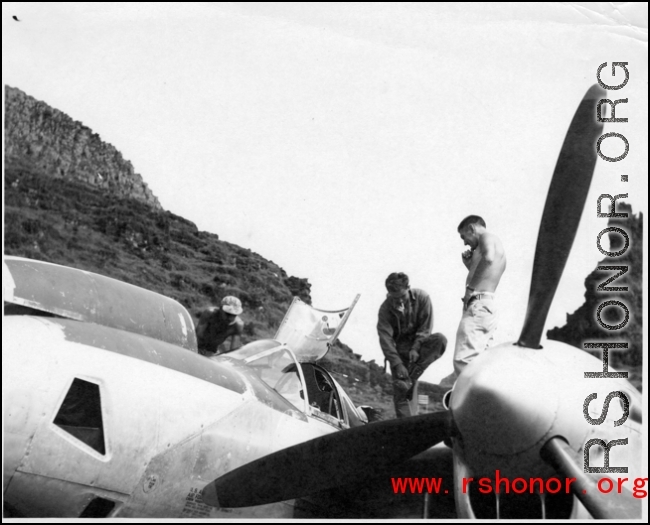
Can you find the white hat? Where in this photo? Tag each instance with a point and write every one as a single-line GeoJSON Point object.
{"type": "Point", "coordinates": [231, 305]}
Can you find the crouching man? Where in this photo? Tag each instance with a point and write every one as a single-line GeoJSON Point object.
{"type": "Point", "coordinates": [216, 325]}
{"type": "Point", "coordinates": [404, 327]}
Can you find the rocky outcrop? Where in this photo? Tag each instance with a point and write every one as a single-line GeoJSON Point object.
{"type": "Point", "coordinates": [299, 287]}
{"type": "Point", "coordinates": [582, 325]}
{"type": "Point", "coordinates": [64, 148]}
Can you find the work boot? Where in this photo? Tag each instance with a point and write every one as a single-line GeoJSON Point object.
{"type": "Point", "coordinates": [403, 385]}
{"type": "Point", "coordinates": [415, 371]}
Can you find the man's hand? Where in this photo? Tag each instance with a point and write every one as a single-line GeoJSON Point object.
{"type": "Point", "coordinates": [468, 296]}
{"type": "Point", "coordinates": [401, 372]}
{"type": "Point", "coordinates": [413, 355]}
{"type": "Point", "coordinates": [467, 258]}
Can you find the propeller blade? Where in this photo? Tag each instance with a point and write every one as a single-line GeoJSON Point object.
{"type": "Point", "coordinates": [562, 212]}
{"type": "Point", "coordinates": [327, 461]}
{"type": "Point", "coordinates": [613, 506]}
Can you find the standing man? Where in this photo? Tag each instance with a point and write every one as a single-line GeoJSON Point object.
{"type": "Point", "coordinates": [404, 327]}
{"type": "Point", "coordinates": [486, 262]}
{"type": "Point", "coordinates": [218, 324]}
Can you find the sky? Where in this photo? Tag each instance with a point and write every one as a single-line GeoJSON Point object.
{"type": "Point", "coordinates": [346, 141]}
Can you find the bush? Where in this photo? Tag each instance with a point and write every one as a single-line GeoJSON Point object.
{"type": "Point", "coordinates": [224, 279]}
{"type": "Point", "coordinates": [32, 226]}
{"type": "Point", "coordinates": [208, 289]}
{"type": "Point", "coordinates": [183, 282]}
{"type": "Point", "coordinates": [14, 232]}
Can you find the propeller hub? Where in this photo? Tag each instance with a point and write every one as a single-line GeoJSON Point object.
{"type": "Point", "coordinates": [505, 401]}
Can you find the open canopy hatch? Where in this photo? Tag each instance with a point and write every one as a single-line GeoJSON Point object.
{"type": "Point", "coordinates": [310, 332]}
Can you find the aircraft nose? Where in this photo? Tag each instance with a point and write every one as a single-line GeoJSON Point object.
{"type": "Point", "coordinates": [505, 401]}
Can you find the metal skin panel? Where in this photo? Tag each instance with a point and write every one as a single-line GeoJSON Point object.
{"type": "Point", "coordinates": [145, 408]}
{"type": "Point", "coordinates": [172, 483]}
{"type": "Point", "coordinates": [85, 296]}
{"type": "Point", "coordinates": [15, 447]}
{"type": "Point", "coordinates": [32, 495]}
{"type": "Point", "coordinates": [153, 415]}
{"type": "Point", "coordinates": [151, 350]}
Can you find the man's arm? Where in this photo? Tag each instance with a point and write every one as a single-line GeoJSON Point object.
{"type": "Point", "coordinates": [203, 318]}
{"type": "Point", "coordinates": [386, 340]}
{"type": "Point", "coordinates": [487, 245]}
{"type": "Point", "coordinates": [235, 339]}
{"type": "Point", "coordinates": [235, 342]}
{"type": "Point", "coordinates": [424, 324]}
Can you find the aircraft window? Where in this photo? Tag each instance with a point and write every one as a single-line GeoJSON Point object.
{"type": "Point", "coordinates": [279, 370]}
{"type": "Point", "coordinates": [323, 394]}
{"type": "Point", "coordinates": [81, 414]}
{"type": "Point", "coordinates": [98, 508]}
{"type": "Point", "coordinates": [355, 416]}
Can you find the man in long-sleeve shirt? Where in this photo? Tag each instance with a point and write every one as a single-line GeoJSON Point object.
{"type": "Point", "coordinates": [404, 326]}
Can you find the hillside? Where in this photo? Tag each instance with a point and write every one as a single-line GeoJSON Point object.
{"type": "Point", "coordinates": [103, 225]}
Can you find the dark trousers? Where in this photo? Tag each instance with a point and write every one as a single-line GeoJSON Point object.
{"type": "Point", "coordinates": [431, 349]}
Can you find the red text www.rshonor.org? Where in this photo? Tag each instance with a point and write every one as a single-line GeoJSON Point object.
{"type": "Point", "coordinates": [502, 485]}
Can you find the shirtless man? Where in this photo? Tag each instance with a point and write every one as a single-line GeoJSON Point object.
{"type": "Point", "coordinates": [486, 262]}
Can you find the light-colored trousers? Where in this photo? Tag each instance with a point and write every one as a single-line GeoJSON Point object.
{"type": "Point", "coordinates": [475, 331]}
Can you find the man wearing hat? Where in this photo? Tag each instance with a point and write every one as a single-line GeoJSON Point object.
{"type": "Point", "coordinates": [404, 327]}
{"type": "Point", "coordinates": [218, 324]}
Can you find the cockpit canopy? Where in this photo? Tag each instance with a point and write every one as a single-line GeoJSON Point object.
{"type": "Point", "coordinates": [307, 386]}
{"type": "Point", "coordinates": [309, 332]}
